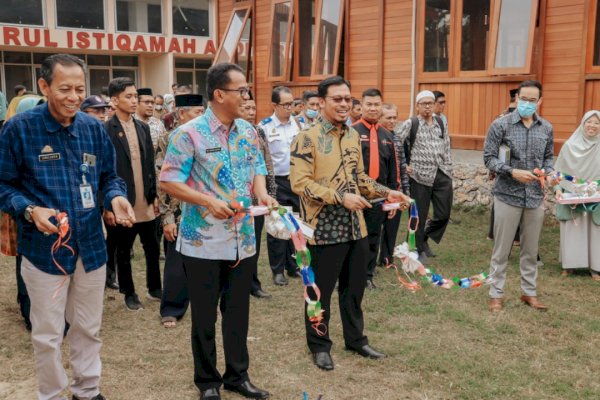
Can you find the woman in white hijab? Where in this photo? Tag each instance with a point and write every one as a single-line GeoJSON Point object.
{"type": "Point", "coordinates": [579, 228]}
{"type": "Point", "coordinates": [169, 102]}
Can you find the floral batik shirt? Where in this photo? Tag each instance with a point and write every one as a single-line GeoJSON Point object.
{"type": "Point", "coordinates": [213, 160]}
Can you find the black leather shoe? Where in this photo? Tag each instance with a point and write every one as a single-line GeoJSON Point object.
{"type": "Point", "coordinates": [323, 360]}
{"type": "Point", "coordinates": [280, 280]}
{"type": "Point", "coordinates": [210, 394]}
{"type": "Point", "coordinates": [367, 351]}
{"type": "Point", "coordinates": [371, 285]}
{"type": "Point", "coordinates": [427, 250]}
{"type": "Point", "coordinates": [110, 284]}
{"type": "Point", "coordinates": [248, 390]}
{"type": "Point", "coordinates": [97, 397]}
{"type": "Point", "coordinates": [260, 294]}
{"type": "Point", "coordinates": [294, 274]}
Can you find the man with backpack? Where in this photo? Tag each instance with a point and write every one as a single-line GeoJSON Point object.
{"type": "Point", "coordinates": [430, 170]}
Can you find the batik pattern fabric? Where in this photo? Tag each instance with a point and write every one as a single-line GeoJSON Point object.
{"type": "Point", "coordinates": [221, 163]}
{"type": "Point", "coordinates": [326, 163]}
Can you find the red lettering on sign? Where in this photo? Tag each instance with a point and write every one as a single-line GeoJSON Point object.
{"type": "Point", "coordinates": [98, 37]}
{"type": "Point", "coordinates": [110, 41]}
{"type": "Point", "coordinates": [83, 40]}
{"type": "Point", "coordinates": [47, 41]}
{"type": "Point", "coordinates": [174, 46]}
{"type": "Point", "coordinates": [189, 46]}
{"type": "Point", "coordinates": [140, 44]}
{"type": "Point", "coordinates": [210, 47]}
{"type": "Point", "coordinates": [124, 43]}
{"type": "Point", "coordinates": [69, 39]}
{"type": "Point", "coordinates": [157, 44]}
{"type": "Point", "coordinates": [36, 37]}
{"type": "Point", "coordinates": [11, 34]}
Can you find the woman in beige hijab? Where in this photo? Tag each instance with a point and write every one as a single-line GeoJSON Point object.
{"type": "Point", "coordinates": [579, 233]}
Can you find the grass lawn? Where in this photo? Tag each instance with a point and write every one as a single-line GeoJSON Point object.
{"type": "Point", "coordinates": [442, 344]}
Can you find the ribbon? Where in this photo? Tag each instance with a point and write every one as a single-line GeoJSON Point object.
{"type": "Point", "coordinates": [64, 235]}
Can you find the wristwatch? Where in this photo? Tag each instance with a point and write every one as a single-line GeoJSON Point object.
{"type": "Point", "coordinates": [28, 212]}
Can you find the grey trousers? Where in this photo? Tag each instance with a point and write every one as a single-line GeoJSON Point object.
{"type": "Point", "coordinates": [507, 221]}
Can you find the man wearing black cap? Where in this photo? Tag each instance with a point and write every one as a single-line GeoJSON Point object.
{"type": "Point", "coordinates": [145, 113]}
{"type": "Point", "coordinates": [135, 164]}
{"type": "Point", "coordinates": [175, 299]}
{"type": "Point", "coordinates": [94, 106]}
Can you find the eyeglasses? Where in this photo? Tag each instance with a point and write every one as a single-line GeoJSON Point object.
{"type": "Point", "coordinates": [147, 102]}
{"type": "Point", "coordinates": [285, 105]}
{"type": "Point", "coordinates": [243, 91]}
{"type": "Point", "coordinates": [443, 102]}
{"type": "Point", "coordinates": [529, 100]}
{"type": "Point", "coordinates": [340, 99]}
{"type": "Point", "coordinates": [97, 111]}
{"type": "Point", "coordinates": [426, 105]}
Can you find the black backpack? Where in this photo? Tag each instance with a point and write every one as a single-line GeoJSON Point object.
{"type": "Point", "coordinates": [414, 127]}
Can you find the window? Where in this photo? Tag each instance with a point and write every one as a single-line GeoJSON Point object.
{"type": "Point", "coordinates": [72, 14]}
{"type": "Point", "coordinates": [476, 37]}
{"type": "Point", "coordinates": [240, 22]}
{"type": "Point", "coordinates": [280, 40]}
{"type": "Point", "coordinates": [189, 71]}
{"type": "Point", "coordinates": [139, 16]}
{"type": "Point", "coordinates": [514, 40]}
{"type": "Point", "coordinates": [328, 38]}
{"type": "Point", "coordinates": [22, 12]}
{"type": "Point", "coordinates": [190, 17]}
{"type": "Point", "coordinates": [437, 32]}
{"type": "Point", "coordinates": [315, 31]}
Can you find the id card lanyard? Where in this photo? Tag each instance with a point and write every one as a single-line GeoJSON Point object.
{"type": "Point", "coordinates": [85, 189]}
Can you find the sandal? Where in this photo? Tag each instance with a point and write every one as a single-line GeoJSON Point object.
{"type": "Point", "coordinates": [169, 322]}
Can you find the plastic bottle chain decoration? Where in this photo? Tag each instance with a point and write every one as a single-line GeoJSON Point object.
{"type": "Point", "coordinates": [64, 235]}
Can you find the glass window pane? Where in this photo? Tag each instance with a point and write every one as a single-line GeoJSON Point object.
{"type": "Point", "coordinates": [185, 78]}
{"type": "Point", "coordinates": [328, 30]}
{"type": "Point", "coordinates": [437, 31]}
{"type": "Point", "coordinates": [17, 75]}
{"type": "Point", "coordinates": [72, 14]}
{"type": "Point", "coordinates": [281, 15]}
{"type": "Point", "coordinates": [139, 16]}
{"type": "Point", "coordinates": [125, 73]}
{"type": "Point", "coordinates": [513, 33]}
{"type": "Point", "coordinates": [184, 63]}
{"type": "Point", "coordinates": [125, 61]}
{"type": "Point", "coordinates": [306, 32]}
{"type": "Point", "coordinates": [190, 17]}
{"type": "Point", "coordinates": [596, 60]}
{"type": "Point", "coordinates": [39, 57]}
{"type": "Point", "coordinates": [475, 26]}
{"type": "Point", "coordinates": [22, 12]}
{"type": "Point", "coordinates": [201, 84]}
{"type": "Point", "coordinates": [97, 59]}
{"type": "Point", "coordinates": [17, 57]}
{"type": "Point", "coordinates": [244, 45]}
{"type": "Point", "coordinates": [230, 40]}
{"type": "Point", "coordinates": [99, 78]}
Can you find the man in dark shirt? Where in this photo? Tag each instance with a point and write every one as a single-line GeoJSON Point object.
{"type": "Point", "coordinates": [56, 159]}
{"type": "Point", "coordinates": [379, 157]}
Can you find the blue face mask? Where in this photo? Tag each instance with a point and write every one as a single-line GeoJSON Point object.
{"type": "Point", "coordinates": [312, 114]}
{"type": "Point", "coordinates": [526, 108]}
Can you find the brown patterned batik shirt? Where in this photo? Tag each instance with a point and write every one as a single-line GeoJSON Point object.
{"type": "Point", "coordinates": [326, 162]}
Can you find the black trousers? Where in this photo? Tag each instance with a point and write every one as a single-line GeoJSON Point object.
{"type": "Point", "coordinates": [22, 295]}
{"type": "Point", "coordinates": [213, 282]}
{"type": "Point", "coordinates": [175, 298]}
{"type": "Point", "coordinates": [375, 218]}
{"type": "Point", "coordinates": [388, 238]}
{"type": "Point", "coordinates": [345, 262]}
{"type": "Point", "coordinates": [111, 252]}
{"type": "Point", "coordinates": [125, 237]}
{"type": "Point", "coordinates": [259, 223]}
{"type": "Point", "coordinates": [281, 251]}
{"type": "Point", "coordinates": [440, 195]}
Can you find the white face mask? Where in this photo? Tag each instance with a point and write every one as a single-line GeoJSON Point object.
{"type": "Point", "coordinates": [158, 108]}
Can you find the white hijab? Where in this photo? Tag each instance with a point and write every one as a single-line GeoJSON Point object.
{"type": "Point", "coordinates": [580, 154]}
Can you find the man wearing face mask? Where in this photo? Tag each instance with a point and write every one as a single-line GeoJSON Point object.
{"type": "Point", "coordinates": [308, 117]}
{"type": "Point", "coordinates": [515, 145]}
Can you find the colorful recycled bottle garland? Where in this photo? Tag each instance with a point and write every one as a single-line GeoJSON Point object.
{"type": "Point", "coordinates": [559, 176]}
{"type": "Point", "coordinates": [409, 258]}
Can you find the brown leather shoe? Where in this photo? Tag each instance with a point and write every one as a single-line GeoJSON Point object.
{"type": "Point", "coordinates": [495, 305]}
{"type": "Point", "coordinates": [534, 303]}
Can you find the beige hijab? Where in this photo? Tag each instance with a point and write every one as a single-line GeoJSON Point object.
{"type": "Point", "coordinates": [580, 154]}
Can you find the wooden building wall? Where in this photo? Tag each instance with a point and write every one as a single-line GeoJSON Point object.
{"type": "Point", "coordinates": [378, 53]}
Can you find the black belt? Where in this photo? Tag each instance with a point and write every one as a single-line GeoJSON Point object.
{"type": "Point", "coordinates": [286, 177]}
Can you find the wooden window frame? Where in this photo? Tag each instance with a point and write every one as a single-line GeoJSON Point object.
{"type": "Point", "coordinates": [495, 28]}
{"type": "Point", "coordinates": [288, 41]}
{"type": "Point", "coordinates": [296, 47]}
{"type": "Point", "coordinates": [338, 40]}
{"type": "Point", "coordinates": [590, 68]}
{"type": "Point", "coordinates": [233, 56]}
{"type": "Point", "coordinates": [455, 44]}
